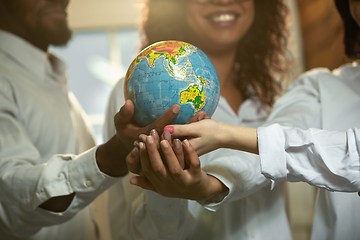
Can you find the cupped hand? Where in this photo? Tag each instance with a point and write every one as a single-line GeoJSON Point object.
{"type": "Point", "coordinates": [172, 180]}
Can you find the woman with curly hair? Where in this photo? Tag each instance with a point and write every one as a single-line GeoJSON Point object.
{"type": "Point", "coordinates": [246, 41]}
{"type": "Point", "coordinates": [326, 155]}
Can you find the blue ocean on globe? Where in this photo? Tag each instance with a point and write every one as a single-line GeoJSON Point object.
{"type": "Point", "coordinates": [168, 73]}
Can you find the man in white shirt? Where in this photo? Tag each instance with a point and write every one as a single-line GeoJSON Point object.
{"type": "Point", "coordinates": [47, 192]}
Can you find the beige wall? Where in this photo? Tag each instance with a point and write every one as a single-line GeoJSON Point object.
{"type": "Point", "coordinates": [95, 14]}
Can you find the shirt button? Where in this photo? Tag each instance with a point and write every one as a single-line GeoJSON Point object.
{"type": "Point", "coordinates": [60, 214]}
{"type": "Point", "coordinates": [88, 183]}
{"type": "Point", "coordinates": [101, 187]}
{"type": "Point", "coordinates": [169, 235]}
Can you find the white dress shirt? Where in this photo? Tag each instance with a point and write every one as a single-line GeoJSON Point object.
{"type": "Point", "coordinates": [252, 211]}
{"type": "Point", "coordinates": [41, 127]}
{"type": "Point", "coordinates": [329, 101]}
{"type": "Point", "coordinates": [322, 158]}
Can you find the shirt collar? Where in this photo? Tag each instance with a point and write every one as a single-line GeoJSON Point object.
{"type": "Point", "coordinates": [35, 60]}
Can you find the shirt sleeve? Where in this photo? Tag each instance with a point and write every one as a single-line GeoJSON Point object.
{"type": "Point", "coordinates": [325, 159]}
{"type": "Point", "coordinates": [26, 181]}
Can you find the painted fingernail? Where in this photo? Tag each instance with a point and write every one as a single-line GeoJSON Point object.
{"type": "Point", "coordinates": [177, 143]}
{"type": "Point", "coordinates": [164, 143]}
{"type": "Point", "coordinates": [186, 142]}
{"type": "Point", "coordinates": [170, 129]}
{"type": "Point", "coordinates": [176, 109]}
{"type": "Point", "coordinates": [153, 133]}
{"type": "Point", "coordinates": [149, 139]}
{"type": "Point", "coordinates": [135, 151]}
{"type": "Point", "coordinates": [167, 135]}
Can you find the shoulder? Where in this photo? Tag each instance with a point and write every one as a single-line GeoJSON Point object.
{"type": "Point", "coordinates": [311, 78]}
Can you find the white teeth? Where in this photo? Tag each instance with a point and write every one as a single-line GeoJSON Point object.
{"type": "Point", "coordinates": [224, 18]}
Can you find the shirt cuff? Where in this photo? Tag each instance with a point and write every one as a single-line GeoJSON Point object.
{"type": "Point", "coordinates": [222, 175]}
{"type": "Point", "coordinates": [271, 141]}
{"type": "Point", "coordinates": [85, 175]}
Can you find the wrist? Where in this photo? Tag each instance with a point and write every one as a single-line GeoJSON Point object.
{"type": "Point", "coordinates": [217, 188]}
{"type": "Point", "coordinates": [110, 158]}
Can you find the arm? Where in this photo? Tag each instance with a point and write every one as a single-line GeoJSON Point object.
{"type": "Point", "coordinates": [134, 212]}
{"type": "Point", "coordinates": [326, 159]}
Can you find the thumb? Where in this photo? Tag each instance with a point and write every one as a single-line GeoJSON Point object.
{"type": "Point", "coordinates": [125, 114]}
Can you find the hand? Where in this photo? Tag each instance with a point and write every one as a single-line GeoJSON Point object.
{"type": "Point", "coordinates": [172, 180]}
{"type": "Point", "coordinates": [205, 136]}
{"type": "Point", "coordinates": [111, 156]}
{"type": "Point", "coordinates": [208, 135]}
{"type": "Point", "coordinates": [133, 159]}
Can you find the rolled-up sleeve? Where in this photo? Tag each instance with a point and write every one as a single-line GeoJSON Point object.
{"type": "Point", "coordinates": [325, 159]}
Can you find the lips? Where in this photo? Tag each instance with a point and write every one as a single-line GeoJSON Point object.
{"type": "Point", "coordinates": [54, 11]}
{"type": "Point", "coordinates": [223, 19]}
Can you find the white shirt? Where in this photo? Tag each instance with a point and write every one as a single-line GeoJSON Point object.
{"type": "Point", "coordinates": [322, 158]}
{"type": "Point", "coordinates": [252, 211]}
{"type": "Point", "coordinates": [324, 100]}
{"type": "Point", "coordinates": [39, 119]}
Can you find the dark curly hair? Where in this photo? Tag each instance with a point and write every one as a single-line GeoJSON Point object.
{"type": "Point", "coordinates": [351, 29]}
{"type": "Point", "coordinates": [260, 59]}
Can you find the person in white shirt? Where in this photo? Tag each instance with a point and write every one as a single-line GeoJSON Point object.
{"type": "Point", "coordinates": [326, 155]}
{"type": "Point", "coordinates": [50, 171]}
{"type": "Point", "coordinates": [246, 41]}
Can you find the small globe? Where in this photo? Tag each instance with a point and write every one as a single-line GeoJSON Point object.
{"type": "Point", "coordinates": [168, 73]}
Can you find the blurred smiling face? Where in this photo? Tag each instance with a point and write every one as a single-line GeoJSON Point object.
{"type": "Point", "coordinates": [218, 22]}
{"type": "Point", "coordinates": [42, 22]}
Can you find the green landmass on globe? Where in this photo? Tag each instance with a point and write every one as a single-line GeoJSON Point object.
{"type": "Point", "coordinates": [167, 73]}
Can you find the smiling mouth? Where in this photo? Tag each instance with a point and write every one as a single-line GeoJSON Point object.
{"type": "Point", "coordinates": [223, 17]}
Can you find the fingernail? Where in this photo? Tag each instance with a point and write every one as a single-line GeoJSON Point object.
{"type": "Point", "coordinates": [164, 143]}
{"type": "Point", "coordinates": [186, 142]}
{"type": "Point", "coordinates": [167, 135]}
{"type": "Point", "coordinates": [177, 143]}
{"type": "Point", "coordinates": [142, 146]}
{"type": "Point", "coordinates": [149, 139]}
{"type": "Point", "coordinates": [201, 117]}
{"type": "Point", "coordinates": [170, 129]}
{"type": "Point", "coordinates": [176, 109]}
{"type": "Point", "coordinates": [135, 151]}
{"type": "Point", "coordinates": [153, 133]}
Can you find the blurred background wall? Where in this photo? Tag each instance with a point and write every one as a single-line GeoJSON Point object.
{"type": "Point", "coordinates": [106, 40]}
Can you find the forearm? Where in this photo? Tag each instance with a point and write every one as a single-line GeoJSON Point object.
{"type": "Point", "coordinates": [238, 138]}
{"type": "Point", "coordinates": [325, 159]}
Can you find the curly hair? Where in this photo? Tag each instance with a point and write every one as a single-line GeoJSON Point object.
{"type": "Point", "coordinates": [260, 56]}
{"type": "Point", "coordinates": [351, 29]}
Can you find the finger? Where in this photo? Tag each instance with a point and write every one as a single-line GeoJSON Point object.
{"type": "Point", "coordinates": [179, 153]}
{"type": "Point", "coordinates": [165, 119]}
{"type": "Point", "coordinates": [166, 136]}
{"type": "Point", "coordinates": [178, 131]}
{"type": "Point", "coordinates": [144, 161]}
{"type": "Point", "coordinates": [194, 161]}
{"type": "Point", "coordinates": [142, 182]}
{"type": "Point", "coordinates": [197, 117]}
{"type": "Point", "coordinates": [172, 162]}
{"type": "Point", "coordinates": [125, 114]}
{"type": "Point", "coordinates": [156, 137]}
{"type": "Point", "coordinates": [156, 162]}
{"type": "Point", "coordinates": [133, 161]}
{"type": "Point", "coordinates": [142, 137]}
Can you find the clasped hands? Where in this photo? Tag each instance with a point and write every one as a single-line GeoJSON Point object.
{"type": "Point", "coordinates": [171, 168]}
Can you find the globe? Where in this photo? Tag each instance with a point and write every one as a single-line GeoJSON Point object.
{"type": "Point", "coordinates": [168, 73]}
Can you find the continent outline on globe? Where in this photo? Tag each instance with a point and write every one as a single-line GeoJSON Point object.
{"type": "Point", "coordinates": [167, 73]}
